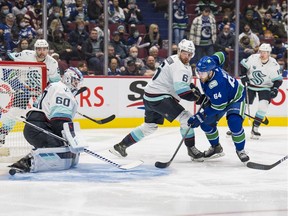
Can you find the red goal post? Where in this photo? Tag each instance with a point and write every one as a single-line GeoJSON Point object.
{"type": "Point", "coordinates": [20, 85]}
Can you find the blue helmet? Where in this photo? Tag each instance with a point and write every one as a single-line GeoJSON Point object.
{"type": "Point", "coordinates": [205, 64]}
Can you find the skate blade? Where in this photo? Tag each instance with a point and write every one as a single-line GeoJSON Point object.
{"type": "Point", "coordinates": [255, 137]}
{"type": "Point", "coordinates": [197, 159]}
{"type": "Point", "coordinates": [215, 156]}
{"type": "Point", "coordinates": [116, 153]}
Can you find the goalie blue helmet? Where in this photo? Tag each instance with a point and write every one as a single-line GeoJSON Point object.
{"type": "Point", "coordinates": [205, 64]}
{"type": "Point", "coordinates": [72, 78]}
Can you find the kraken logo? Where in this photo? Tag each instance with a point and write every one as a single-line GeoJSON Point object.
{"type": "Point", "coordinates": [257, 77]}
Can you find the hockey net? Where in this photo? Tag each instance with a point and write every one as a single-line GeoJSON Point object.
{"type": "Point", "coordinates": [20, 85]}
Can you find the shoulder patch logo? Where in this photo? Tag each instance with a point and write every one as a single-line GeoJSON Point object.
{"type": "Point", "coordinates": [213, 84]}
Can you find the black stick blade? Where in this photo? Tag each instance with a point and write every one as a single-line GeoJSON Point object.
{"type": "Point", "coordinates": [106, 120]}
{"type": "Point", "coordinates": [258, 166]}
{"type": "Point", "coordinates": [162, 165]}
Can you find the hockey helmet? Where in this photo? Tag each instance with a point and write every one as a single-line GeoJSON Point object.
{"type": "Point", "coordinates": [41, 43]}
{"type": "Point", "coordinates": [72, 78]}
{"type": "Point", "coordinates": [205, 64]}
{"type": "Point", "coordinates": [187, 45]}
{"type": "Point", "coordinates": [265, 47]}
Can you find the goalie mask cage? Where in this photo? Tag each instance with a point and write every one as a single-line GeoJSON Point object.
{"type": "Point", "coordinates": [20, 85]}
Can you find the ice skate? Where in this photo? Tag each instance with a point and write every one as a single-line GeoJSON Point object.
{"type": "Point", "coordinates": [23, 165]}
{"type": "Point", "coordinates": [119, 150]}
{"type": "Point", "coordinates": [254, 133]}
{"type": "Point", "coordinates": [195, 154]}
{"type": "Point", "coordinates": [214, 152]}
{"type": "Point", "coordinates": [242, 156]}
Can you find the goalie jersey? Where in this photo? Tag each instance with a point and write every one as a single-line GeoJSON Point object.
{"type": "Point", "coordinates": [57, 101]}
{"type": "Point", "coordinates": [53, 72]}
{"type": "Point", "coordinates": [261, 75]}
{"type": "Point", "coordinates": [172, 78]}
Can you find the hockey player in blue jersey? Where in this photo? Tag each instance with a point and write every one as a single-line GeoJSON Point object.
{"type": "Point", "coordinates": [226, 96]}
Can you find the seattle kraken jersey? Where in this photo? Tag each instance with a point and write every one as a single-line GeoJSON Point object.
{"type": "Point", "coordinates": [222, 90]}
{"type": "Point", "coordinates": [172, 78]}
{"type": "Point", "coordinates": [57, 101]}
{"type": "Point", "coordinates": [261, 75]}
{"type": "Point", "coordinates": [53, 72]}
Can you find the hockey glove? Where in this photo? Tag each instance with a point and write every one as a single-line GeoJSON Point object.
{"type": "Point", "coordinates": [205, 99]}
{"type": "Point", "coordinates": [244, 79]}
{"type": "Point", "coordinates": [195, 90]}
{"type": "Point", "coordinates": [273, 92]}
{"type": "Point", "coordinates": [196, 120]}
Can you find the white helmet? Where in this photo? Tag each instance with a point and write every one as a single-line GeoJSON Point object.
{"type": "Point", "coordinates": [72, 78]}
{"type": "Point", "coordinates": [41, 43]}
{"type": "Point", "coordinates": [265, 47]}
{"type": "Point", "coordinates": [187, 45]}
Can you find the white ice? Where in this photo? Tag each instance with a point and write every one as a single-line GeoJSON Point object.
{"type": "Point", "coordinates": [220, 187]}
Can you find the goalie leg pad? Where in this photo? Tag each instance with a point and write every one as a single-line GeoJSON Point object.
{"type": "Point", "coordinates": [69, 133]}
{"type": "Point", "coordinates": [53, 159]}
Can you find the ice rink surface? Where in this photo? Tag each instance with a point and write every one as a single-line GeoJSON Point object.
{"type": "Point", "coordinates": [223, 186]}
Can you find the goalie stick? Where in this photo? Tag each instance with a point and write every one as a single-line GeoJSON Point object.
{"type": "Point", "coordinates": [94, 154]}
{"type": "Point", "coordinates": [163, 165]}
{"type": "Point", "coordinates": [259, 166]}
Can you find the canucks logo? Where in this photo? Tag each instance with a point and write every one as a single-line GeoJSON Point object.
{"type": "Point", "coordinates": [257, 77]}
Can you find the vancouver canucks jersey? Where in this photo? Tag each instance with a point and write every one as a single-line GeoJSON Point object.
{"type": "Point", "coordinates": [57, 101]}
{"type": "Point", "coordinates": [172, 78]}
{"type": "Point", "coordinates": [53, 72]}
{"type": "Point", "coordinates": [261, 76]}
{"type": "Point", "coordinates": [222, 90]}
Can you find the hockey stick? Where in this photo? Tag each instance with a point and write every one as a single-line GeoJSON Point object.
{"type": "Point", "coordinates": [94, 154]}
{"type": "Point", "coordinates": [248, 103]}
{"type": "Point", "coordinates": [163, 165]}
{"type": "Point", "coordinates": [101, 121]}
{"type": "Point", "coordinates": [265, 121]}
{"type": "Point", "coordinates": [259, 166]}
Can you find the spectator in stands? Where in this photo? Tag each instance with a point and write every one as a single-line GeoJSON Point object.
{"type": "Point", "coordinates": [54, 25]}
{"type": "Point", "coordinates": [120, 48]}
{"type": "Point", "coordinates": [225, 40]}
{"type": "Point", "coordinates": [100, 28]}
{"type": "Point", "coordinates": [154, 51]}
{"type": "Point", "coordinates": [61, 46]}
{"type": "Point", "coordinates": [133, 14]}
{"type": "Point", "coordinates": [226, 21]}
{"type": "Point", "coordinates": [131, 69]}
{"type": "Point", "coordinates": [57, 15]}
{"type": "Point", "coordinates": [22, 45]}
{"type": "Point", "coordinates": [115, 12]}
{"type": "Point", "coordinates": [180, 20]}
{"type": "Point", "coordinates": [149, 68]}
{"type": "Point", "coordinates": [60, 4]}
{"type": "Point", "coordinates": [133, 37]}
{"type": "Point", "coordinates": [203, 34]}
{"type": "Point", "coordinates": [93, 52]}
{"type": "Point", "coordinates": [122, 34]}
{"type": "Point", "coordinates": [153, 37]}
{"type": "Point", "coordinates": [278, 50]}
{"type": "Point", "coordinates": [276, 28]}
{"type": "Point", "coordinates": [7, 26]}
{"type": "Point", "coordinates": [77, 37]}
{"type": "Point", "coordinates": [276, 15]}
{"type": "Point", "coordinates": [82, 66]}
{"type": "Point", "coordinates": [25, 30]}
{"type": "Point", "coordinates": [285, 24]}
{"type": "Point", "coordinates": [254, 24]}
{"type": "Point", "coordinates": [39, 35]}
{"type": "Point", "coordinates": [226, 7]}
{"type": "Point", "coordinates": [133, 55]}
{"type": "Point", "coordinates": [202, 4]}
{"type": "Point", "coordinates": [174, 49]}
{"type": "Point", "coordinates": [284, 8]}
{"type": "Point", "coordinates": [113, 67]}
{"type": "Point", "coordinates": [19, 8]}
{"type": "Point", "coordinates": [245, 48]}
{"type": "Point", "coordinates": [254, 39]}
{"type": "Point", "coordinates": [4, 10]}
{"type": "Point", "coordinates": [94, 10]}
{"type": "Point", "coordinates": [78, 11]}
{"type": "Point", "coordinates": [111, 54]}
{"type": "Point", "coordinates": [13, 40]}
{"type": "Point", "coordinates": [34, 15]}
{"type": "Point", "coordinates": [3, 48]}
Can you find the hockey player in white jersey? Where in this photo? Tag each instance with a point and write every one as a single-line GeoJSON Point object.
{"type": "Point", "coordinates": [262, 74]}
{"type": "Point", "coordinates": [23, 92]}
{"type": "Point", "coordinates": [40, 54]}
{"type": "Point", "coordinates": [56, 107]}
{"type": "Point", "coordinates": [170, 84]}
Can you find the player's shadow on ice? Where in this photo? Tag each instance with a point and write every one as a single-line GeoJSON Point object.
{"type": "Point", "coordinates": [93, 173]}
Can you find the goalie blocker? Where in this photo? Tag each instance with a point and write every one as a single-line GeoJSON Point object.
{"type": "Point", "coordinates": [53, 159]}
